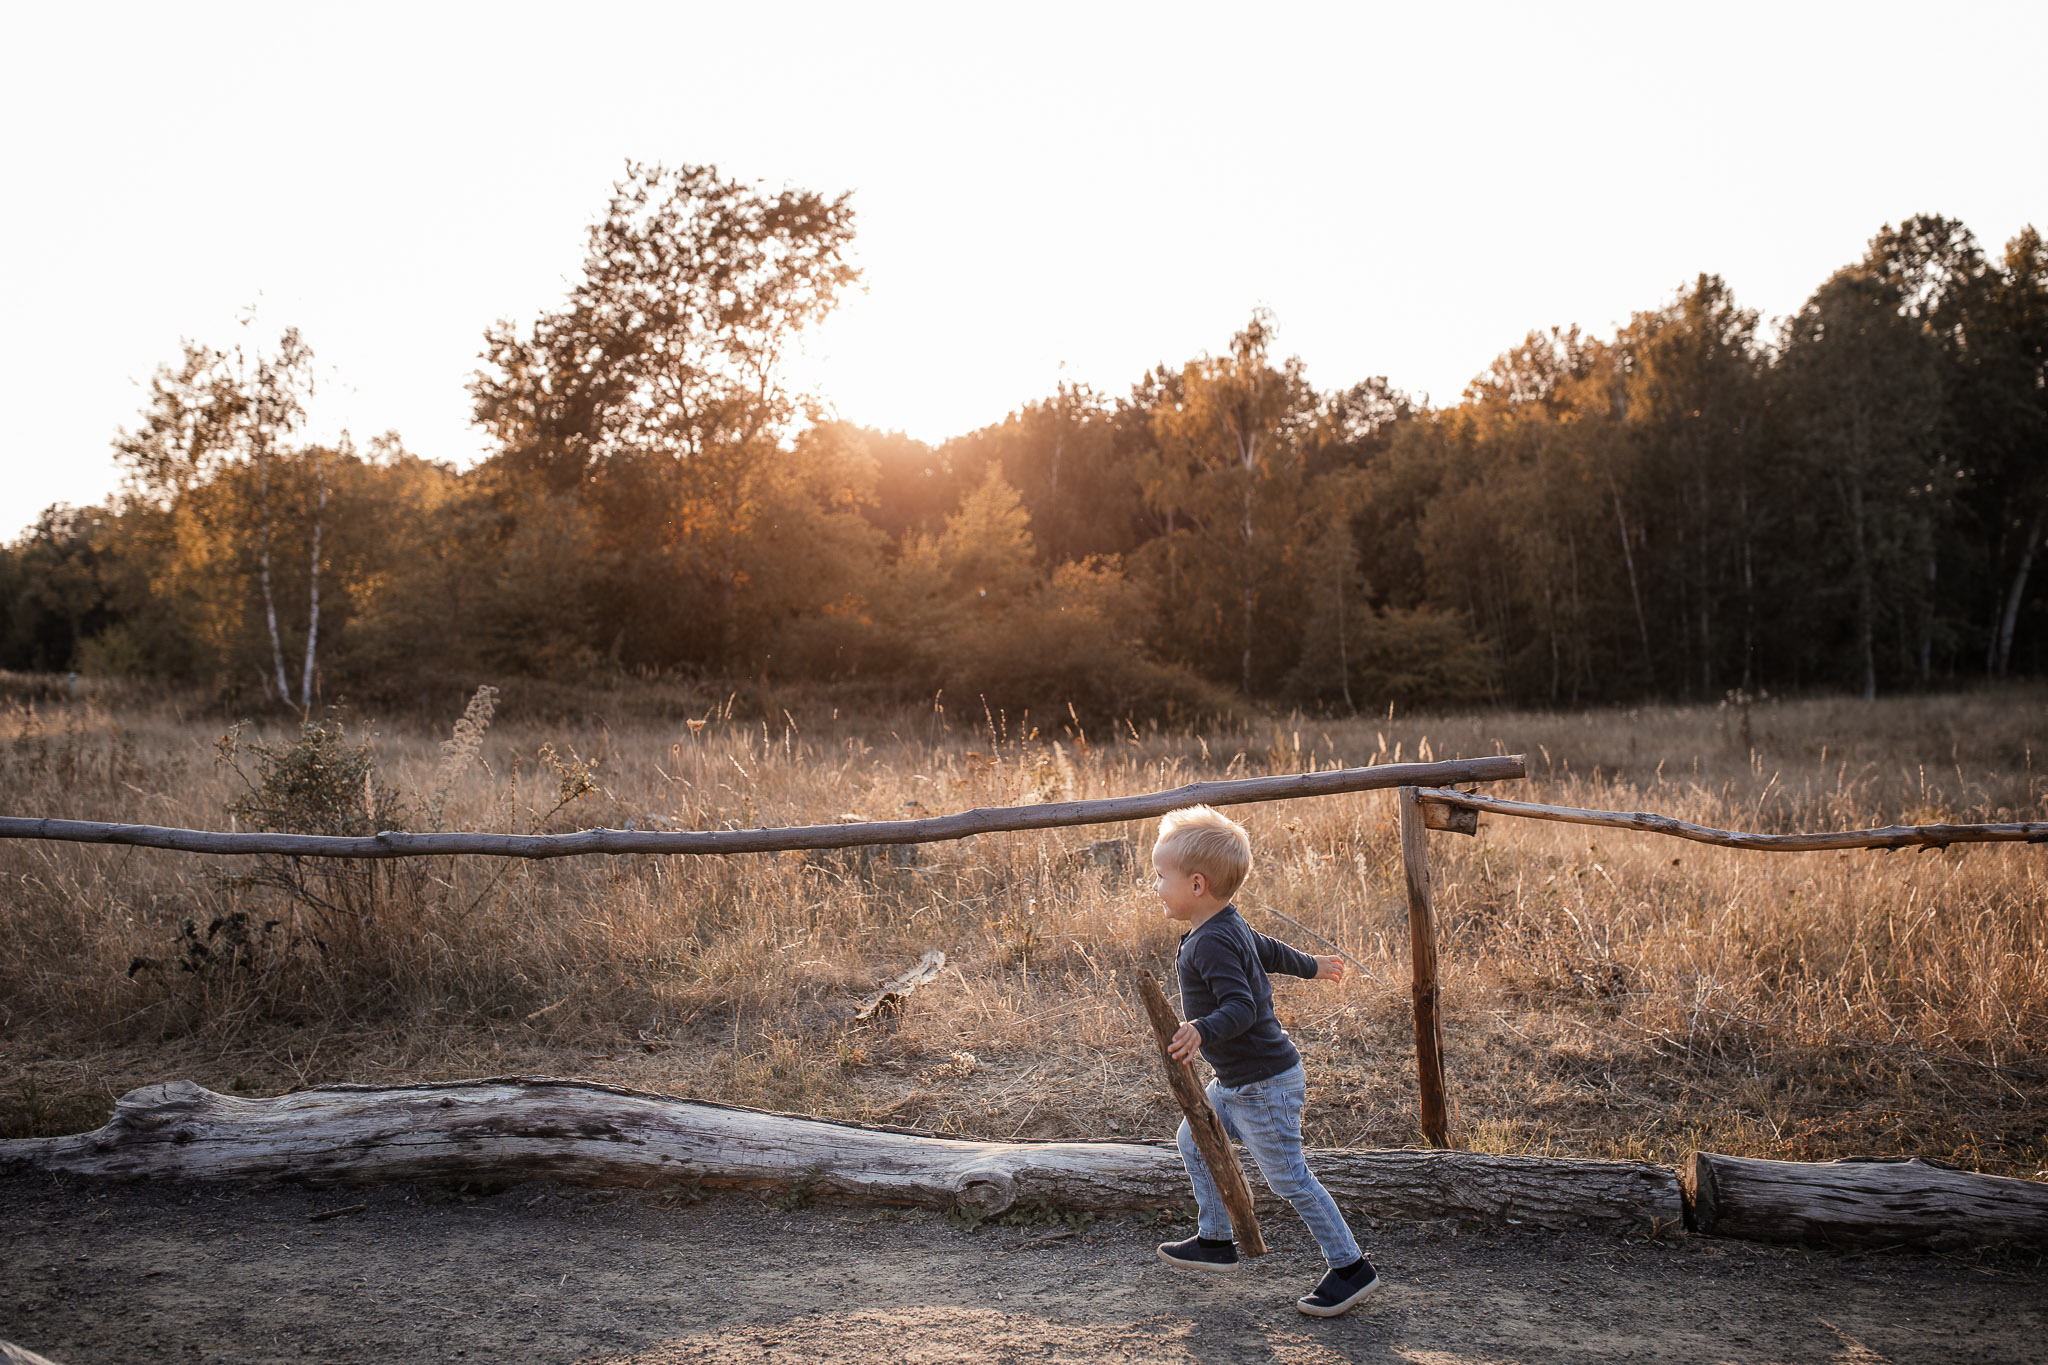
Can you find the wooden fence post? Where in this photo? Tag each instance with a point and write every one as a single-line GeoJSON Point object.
{"type": "Point", "coordinates": [1429, 1039]}
{"type": "Point", "coordinates": [1210, 1139]}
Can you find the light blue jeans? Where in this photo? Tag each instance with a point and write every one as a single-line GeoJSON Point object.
{"type": "Point", "coordinates": [1266, 1117]}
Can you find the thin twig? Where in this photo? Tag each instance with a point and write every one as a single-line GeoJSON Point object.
{"type": "Point", "coordinates": [1261, 905]}
{"type": "Point", "coordinates": [326, 1214]}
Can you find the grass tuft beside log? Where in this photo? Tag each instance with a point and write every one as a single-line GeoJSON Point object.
{"type": "Point", "coordinates": [1602, 993]}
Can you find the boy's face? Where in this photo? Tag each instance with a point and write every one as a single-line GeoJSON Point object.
{"type": "Point", "coordinates": [1184, 894]}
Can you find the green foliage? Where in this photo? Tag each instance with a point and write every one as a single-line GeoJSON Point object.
{"type": "Point", "coordinates": [237, 941]}
{"type": "Point", "coordinates": [56, 582]}
{"type": "Point", "coordinates": [981, 621]}
{"type": "Point", "coordinates": [32, 1111]}
{"type": "Point", "coordinates": [1864, 381]}
{"type": "Point", "coordinates": [801, 1191]}
{"type": "Point", "coordinates": [288, 933]}
{"type": "Point", "coordinates": [318, 783]}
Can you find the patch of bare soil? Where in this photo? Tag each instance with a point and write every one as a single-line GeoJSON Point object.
{"type": "Point", "coordinates": [191, 1273]}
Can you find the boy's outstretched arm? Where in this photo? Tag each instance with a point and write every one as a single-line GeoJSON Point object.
{"type": "Point", "coordinates": [1285, 958]}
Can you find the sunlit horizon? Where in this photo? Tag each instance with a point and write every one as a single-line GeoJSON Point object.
{"type": "Point", "coordinates": [1074, 196]}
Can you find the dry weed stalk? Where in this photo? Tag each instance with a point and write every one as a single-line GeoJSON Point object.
{"type": "Point", "coordinates": [1605, 993]}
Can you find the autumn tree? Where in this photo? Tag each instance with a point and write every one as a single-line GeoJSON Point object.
{"type": "Point", "coordinates": [1859, 378]}
{"type": "Point", "coordinates": [915, 485]}
{"type": "Point", "coordinates": [1226, 470]}
{"type": "Point", "coordinates": [218, 420]}
{"type": "Point", "coordinates": [2010, 493]}
{"type": "Point", "coordinates": [1680, 509]}
{"type": "Point", "coordinates": [1691, 472]}
{"type": "Point", "coordinates": [1061, 455]}
{"type": "Point", "coordinates": [55, 588]}
{"type": "Point", "coordinates": [974, 614]}
{"type": "Point", "coordinates": [1516, 535]}
{"type": "Point", "coordinates": [657, 391]}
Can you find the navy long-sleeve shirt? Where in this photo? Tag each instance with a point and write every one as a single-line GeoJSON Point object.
{"type": "Point", "coordinates": [1225, 994]}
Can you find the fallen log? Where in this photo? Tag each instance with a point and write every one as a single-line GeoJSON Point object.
{"type": "Point", "coordinates": [1861, 1202]}
{"type": "Point", "coordinates": [507, 1129]}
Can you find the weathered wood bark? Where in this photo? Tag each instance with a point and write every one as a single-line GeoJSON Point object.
{"type": "Point", "coordinates": [1450, 819]}
{"type": "Point", "coordinates": [893, 994]}
{"type": "Point", "coordinates": [1050, 815]}
{"type": "Point", "coordinates": [1890, 836]}
{"type": "Point", "coordinates": [1861, 1203]}
{"type": "Point", "coordinates": [1429, 1036]}
{"type": "Point", "coordinates": [1210, 1139]}
{"type": "Point", "coordinates": [508, 1129]}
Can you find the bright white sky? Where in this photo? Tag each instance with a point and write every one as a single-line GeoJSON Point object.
{"type": "Point", "coordinates": [1410, 188]}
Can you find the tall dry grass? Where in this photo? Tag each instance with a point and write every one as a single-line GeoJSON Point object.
{"type": "Point", "coordinates": [1606, 993]}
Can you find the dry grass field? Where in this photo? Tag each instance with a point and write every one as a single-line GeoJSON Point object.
{"type": "Point", "coordinates": [1606, 993]}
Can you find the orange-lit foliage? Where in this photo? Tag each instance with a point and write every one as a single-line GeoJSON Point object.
{"type": "Point", "coordinates": [1687, 508]}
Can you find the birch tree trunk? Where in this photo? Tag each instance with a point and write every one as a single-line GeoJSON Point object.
{"type": "Point", "coordinates": [1635, 592]}
{"type": "Point", "coordinates": [1249, 456]}
{"type": "Point", "coordinates": [2009, 619]}
{"type": "Point", "coordinates": [1343, 652]}
{"type": "Point", "coordinates": [313, 605]}
{"type": "Point", "coordinates": [284, 687]}
{"type": "Point", "coordinates": [1748, 588]}
{"type": "Point", "coordinates": [1866, 591]}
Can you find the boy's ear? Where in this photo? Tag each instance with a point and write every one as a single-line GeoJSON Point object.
{"type": "Point", "coordinates": [1198, 883]}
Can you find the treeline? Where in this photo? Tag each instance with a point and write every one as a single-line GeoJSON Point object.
{"type": "Point", "coordinates": [1853, 499]}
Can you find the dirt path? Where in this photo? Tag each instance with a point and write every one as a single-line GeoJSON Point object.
{"type": "Point", "coordinates": [94, 1273]}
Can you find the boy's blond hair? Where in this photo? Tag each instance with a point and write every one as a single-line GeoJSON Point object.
{"type": "Point", "coordinates": [1200, 839]}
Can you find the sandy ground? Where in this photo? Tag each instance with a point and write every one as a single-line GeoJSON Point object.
{"type": "Point", "coordinates": [180, 1272]}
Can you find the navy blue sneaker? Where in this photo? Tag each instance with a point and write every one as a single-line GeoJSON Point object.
{"type": "Point", "coordinates": [1199, 1253]}
{"type": "Point", "coordinates": [1339, 1291]}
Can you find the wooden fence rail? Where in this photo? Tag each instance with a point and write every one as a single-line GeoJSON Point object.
{"type": "Point", "coordinates": [1049, 815]}
{"type": "Point", "coordinates": [1426, 803]}
{"type": "Point", "coordinates": [1887, 837]}
{"type": "Point", "coordinates": [1458, 812]}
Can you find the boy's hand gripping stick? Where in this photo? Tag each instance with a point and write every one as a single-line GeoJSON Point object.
{"type": "Point", "coordinates": [1210, 1138]}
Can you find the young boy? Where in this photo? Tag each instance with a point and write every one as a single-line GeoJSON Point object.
{"type": "Point", "coordinates": [1201, 858]}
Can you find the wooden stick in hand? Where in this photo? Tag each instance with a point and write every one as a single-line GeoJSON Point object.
{"type": "Point", "coordinates": [1210, 1139]}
